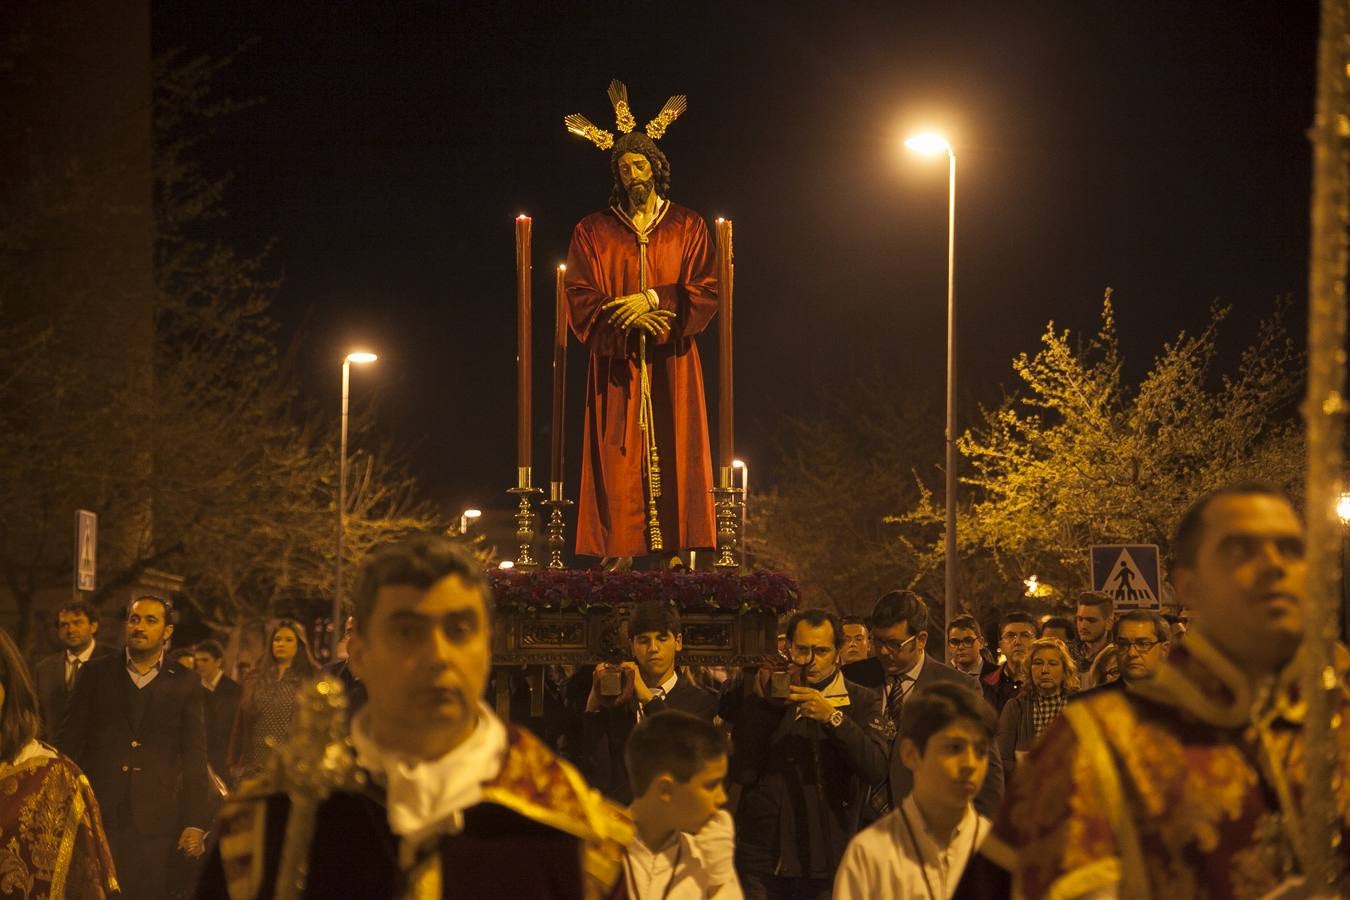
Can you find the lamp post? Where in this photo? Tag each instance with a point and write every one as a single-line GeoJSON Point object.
{"type": "Point", "coordinates": [933, 144]}
{"type": "Point", "coordinates": [358, 357]}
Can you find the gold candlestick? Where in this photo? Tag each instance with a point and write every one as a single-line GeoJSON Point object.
{"type": "Point", "coordinates": [728, 500]}
{"type": "Point", "coordinates": [525, 517]}
{"type": "Point", "coordinates": [556, 526]}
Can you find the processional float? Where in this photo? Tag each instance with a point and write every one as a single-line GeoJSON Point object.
{"type": "Point", "coordinates": [551, 615]}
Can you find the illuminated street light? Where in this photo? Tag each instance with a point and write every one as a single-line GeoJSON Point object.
{"type": "Point", "coordinates": [465, 517]}
{"type": "Point", "coordinates": [360, 356]}
{"type": "Point", "coordinates": [1032, 584]}
{"type": "Point", "coordinates": [932, 144]}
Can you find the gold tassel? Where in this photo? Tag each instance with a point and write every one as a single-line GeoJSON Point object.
{"type": "Point", "coordinates": [652, 458]}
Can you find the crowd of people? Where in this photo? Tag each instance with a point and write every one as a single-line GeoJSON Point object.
{"type": "Point", "coordinates": [1122, 754]}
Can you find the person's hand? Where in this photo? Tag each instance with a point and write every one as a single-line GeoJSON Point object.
{"type": "Point", "coordinates": [633, 676]}
{"type": "Point", "coordinates": [625, 310]}
{"type": "Point", "coordinates": [192, 841]}
{"type": "Point", "coordinates": [811, 703]}
{"type": "Point", "coordinates": [596, 701]}
{"type": "Point", "coordinates": [657, 322]}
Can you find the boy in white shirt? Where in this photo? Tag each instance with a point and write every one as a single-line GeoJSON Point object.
{"type": "Point", "coordinates": [684, 842]}
{"type": "Point", "coordinates": [920, 848]}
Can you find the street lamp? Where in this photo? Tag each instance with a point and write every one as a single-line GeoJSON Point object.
{"type": "Point", "coordinates": [932, 144]}
{"type": "Point", "coordinates": [357, 357]}
{"type": "Point", "coordinates": [467, 516]}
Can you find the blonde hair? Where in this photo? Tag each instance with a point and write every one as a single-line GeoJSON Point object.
{"type": "Point", "coordinates": [1071, 682]}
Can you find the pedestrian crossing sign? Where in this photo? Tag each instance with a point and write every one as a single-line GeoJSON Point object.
{"type": "Point", "coordinates": [1129, 573]}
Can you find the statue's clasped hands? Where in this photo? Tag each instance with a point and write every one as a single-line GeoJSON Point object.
{"type": "Point", "coordinates": [638, 311]}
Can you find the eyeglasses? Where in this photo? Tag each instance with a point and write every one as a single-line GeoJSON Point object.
{"type": "Point", "coordinates": [894, 647]}
{"type": "Point", "coordinates": [1018, 636]}
{"type": "Point", "coordinates": [966, 642]}
{"type": "Point", "coordinates": [1143, 645]}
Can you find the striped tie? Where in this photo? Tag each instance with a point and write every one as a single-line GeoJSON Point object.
{"type": "Point", "coordinates": [895, 697]}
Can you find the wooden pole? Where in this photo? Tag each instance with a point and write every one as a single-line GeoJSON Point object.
{"type": "Point", "coordinates": [726, 444]}
{"type": "Point", "coordinates": [1324, 412]}
{"type": "Point", "coordinates": [523, 363]}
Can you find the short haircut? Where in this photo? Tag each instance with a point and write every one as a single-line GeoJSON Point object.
{"type": "Point", "coordinates": [854, 620]}
{"type": "Point", "coordinates": [660, 616]}
{"type": "Point", "coordinates": [211, 648]}
{"type": "Point", "coordinates": [900, 606]}
{"type": "Point", "coordinates": [187, 651]}
{"type": "Point", "coordinates": [1016, 617]}
{"type": "Point", "coordinates": [815, 618]}
{"type": "Point", "coordinates": [940, 704]}
{"type": "Point", "coordinates": [162, 601]}
{"type": "Point", "coordinates": [966, 621]}
{"type": "Point", "coordinates": [418, 562]}
{"type": "Point", "coordinates": [1190, 527]}
{"type": "Point", "coordinates": [77, 608]}
{"type": "Point", "coordinates": [671, 741]}
{"type": "Point", "coordinates": [1057, 622]}
{"type": "Point", "coordinates": [1161, 630]}
{"type": "Point", "coordinates": [19, 713]}
{"type": "Point", "coordinates": [1098, 600]}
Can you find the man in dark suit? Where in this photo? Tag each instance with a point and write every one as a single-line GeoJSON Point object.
{"type": "Point", "coordinates": [76, 627]}
{"type": "Point", "coordinates": [647, 684]}
{"type": "Point", "coordinates": [220, 704]}
{"type": "Point", "coordinates": [135, 726]}
{"type": "Point", "coordinates": [900, 665]}
{"type": "Point", "coordinates": [803, 762]}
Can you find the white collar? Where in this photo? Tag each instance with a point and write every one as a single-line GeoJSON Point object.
{"type": "Point", "coordinates": [669, 684]}
{"type": "Point", "coordinates": [425, 797]}
{"type": "Point", "coordinates": [928, 846]}
{"type": "Point", "coordinates": [913, 674]}
{"type": "Point", "coordinates": [82, 657]}
{"type": "Point", "coordinates": [215, 682]}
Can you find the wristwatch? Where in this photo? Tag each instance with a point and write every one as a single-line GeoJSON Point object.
{"type": "Point", "coordinates": [837, 718]}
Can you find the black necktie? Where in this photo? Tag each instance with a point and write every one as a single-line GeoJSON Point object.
{"type": "Point", "coordinates": [74, 671]}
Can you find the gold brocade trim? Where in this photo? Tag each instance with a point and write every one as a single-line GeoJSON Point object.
{"type": "Point", "coordinates": [1170, 687]}
{"type": "Point", "coordinates": [1092, 743]}
{"type": "Point", "coordinates": [66, 850]}
{"type": "Point", "coordinates": [1085, 879]}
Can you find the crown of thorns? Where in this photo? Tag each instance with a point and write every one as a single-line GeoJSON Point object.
{"type": "Point", "coordinates": [623, 118]}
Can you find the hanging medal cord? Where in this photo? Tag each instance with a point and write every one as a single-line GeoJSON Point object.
{"type": "Point", "coordinates": [651, 459]}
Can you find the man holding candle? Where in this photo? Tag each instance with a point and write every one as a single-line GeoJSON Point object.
{"type": "Point", "coordinates": [640, 285]}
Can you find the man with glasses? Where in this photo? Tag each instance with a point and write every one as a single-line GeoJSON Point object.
{"type": "Point", "coordinates": [965, 648]}
{"type": "Point", "coordinates": [805, 762]}
{"type": "Point", "coordinates": [1142, 640]}
{"type": "Point", "coordinates": [1016, 631]}
{"type": "Point", "coordinates": [900, 666]}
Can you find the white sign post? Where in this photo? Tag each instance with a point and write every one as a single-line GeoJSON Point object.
{"type": "Point", "coordinates": [86, 549]}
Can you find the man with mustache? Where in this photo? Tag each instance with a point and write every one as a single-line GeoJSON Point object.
{"type": "Point", "coordinates": [1189, 783]}
{"type": "Point", "coordinates": [135, 725]}
{"type": "Point", "coordinates": [640, 287]}
{"type": "Point", "coordinates": [445, 799]}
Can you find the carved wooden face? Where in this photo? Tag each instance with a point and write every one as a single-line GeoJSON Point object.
{"type": "Point", "coordinates": [637, 177]}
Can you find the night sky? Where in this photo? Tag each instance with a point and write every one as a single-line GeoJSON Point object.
{"type": "Point", "coordinates": [1156, 148]}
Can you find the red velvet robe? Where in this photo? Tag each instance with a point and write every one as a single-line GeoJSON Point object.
{"type": "Point", "coordinates": [602, 264]}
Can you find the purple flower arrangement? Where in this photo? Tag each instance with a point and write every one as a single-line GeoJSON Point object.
{"type": "Point", "coordinates": [584, 589]}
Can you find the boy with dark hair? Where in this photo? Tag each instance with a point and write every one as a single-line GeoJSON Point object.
{"type": "Point", "coordinates": [649, 683]}
{"type": "Point", "coordinates": [684, 841]}
{"type": "Point", "coordinates": [920, 848]}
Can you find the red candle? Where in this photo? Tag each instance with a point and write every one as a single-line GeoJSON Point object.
{"type": "Point", "coordinates": [523, 224]}
{"type": "Point", "coordinates": [725, 276]}
{"type": "Point", "coordinates": [555, 470]}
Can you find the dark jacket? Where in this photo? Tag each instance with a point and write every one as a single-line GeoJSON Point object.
{"type": "Point", "coordinates": [220, 707]}
{"type": "Point", "coordinates": [149, 775]}
{"type": "Point", "coordinates": [999, 688]}
{"type": "Point", "coordinates": [804, 782]}
{"type": "Point", "coordinates": [1017, 729]}
{"type": "Point", "coordinates": [50, 674]}
{"type": "Point", "coordinates": [605, 732]}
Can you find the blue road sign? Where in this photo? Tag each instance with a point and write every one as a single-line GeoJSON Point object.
{"type": "Point", "coordinates": [1129, 573]}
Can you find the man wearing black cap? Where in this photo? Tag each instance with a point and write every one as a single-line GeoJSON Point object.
{"type": "Point", "coordinates": [647, 684]}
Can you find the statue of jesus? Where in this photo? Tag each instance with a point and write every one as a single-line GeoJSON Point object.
{"type": "Point", "coordinates": [640, 285]}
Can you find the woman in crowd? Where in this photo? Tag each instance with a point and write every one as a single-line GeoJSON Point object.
{"type": "Point", "coordinates": [1051, 678]}
{"type": "Point", "coordinates": [54, 841]}
{"type": "Point", "coordinates": [1104, 669]}
{"type": "Point", "coordinates": [265, 713]}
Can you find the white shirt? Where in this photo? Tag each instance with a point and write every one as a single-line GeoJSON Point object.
{"type": "Point", "coordinates": [82, 656]}
{"type": "Point", "coordinates": [885, 862]}
{"type": "Point", "coordinates": [427, 797]}
{"type": "Point", "coordinates": [679, 870]}
{"type": "Point", "coordinates": [141, 680]}
{"type": "Point", "coordinates": [214, 682]}
{"type": "Point", "coordinates": [664, 689]}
